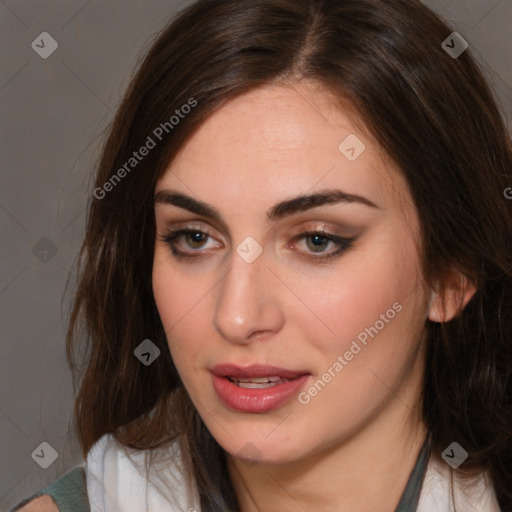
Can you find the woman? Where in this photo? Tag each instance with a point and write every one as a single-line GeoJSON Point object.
{"type": "Point", "coordinates": [296, 275]}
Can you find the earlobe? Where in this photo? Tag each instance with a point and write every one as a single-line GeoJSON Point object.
{"type": "Point", "coordinates": [451, 299]}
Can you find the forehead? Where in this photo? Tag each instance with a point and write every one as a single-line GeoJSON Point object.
{"type": "Point", "coordinates": [278, 141]}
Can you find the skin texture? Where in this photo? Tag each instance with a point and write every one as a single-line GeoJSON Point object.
{"type": "Point", "coordinates": [41, 504]}
{"type": "Point", "coordinates": [353, 445]}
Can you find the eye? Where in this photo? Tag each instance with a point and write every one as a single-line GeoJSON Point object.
{"type": "Point", "coordinates": [193, 243]}
{"type": "Point", "coordinates": [318, 242]}
{"type": "Point", "coordinates": [195, 239]}
{"type": "Point", "coordinates": [182, 240]}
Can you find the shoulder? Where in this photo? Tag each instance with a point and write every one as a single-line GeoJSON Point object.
{"type": "Point", "coordinates": [444, 488]}
{"type": "Point", "coordinates": [40, 504]}
{"type": "Point", "coordinates": [67, 494]}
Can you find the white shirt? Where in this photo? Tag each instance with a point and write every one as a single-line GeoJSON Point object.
{"type": "Point", "coordinates": [117, 482]}
{"type": "Point", "coordinates": [436, 493]}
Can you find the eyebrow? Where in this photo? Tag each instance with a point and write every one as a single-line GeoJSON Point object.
{"type": "Point", "coordinates": [288, 207]}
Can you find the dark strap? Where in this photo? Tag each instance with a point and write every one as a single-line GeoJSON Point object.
{"type": "Point", "coordinates": [69, 492]}
{"type": "Point", "coordinates": [411, 495]}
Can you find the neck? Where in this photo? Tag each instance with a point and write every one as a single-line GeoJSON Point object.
{"type": "Point", "coordinates": [366, 472]}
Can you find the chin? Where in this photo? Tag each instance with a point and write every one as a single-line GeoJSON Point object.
{"type": "Point", "coordinates": [253, 450]}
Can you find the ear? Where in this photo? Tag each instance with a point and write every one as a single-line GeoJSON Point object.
{"type": "Point", "coordinates": [453, 295]}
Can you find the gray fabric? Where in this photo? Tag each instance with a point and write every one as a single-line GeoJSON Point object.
{"type": "Point", "coordinates": [411, 495]}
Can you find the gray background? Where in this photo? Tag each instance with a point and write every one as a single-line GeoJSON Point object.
{"type": "Point", "coordinates": [54, 113]}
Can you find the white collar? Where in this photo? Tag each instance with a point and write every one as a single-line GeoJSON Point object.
{"type": "Point", "coordinates": [117, 482]}
{"type": "Point", "coordinates": [437, 494]}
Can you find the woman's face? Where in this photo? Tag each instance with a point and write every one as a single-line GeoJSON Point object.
{"type": "Point", "coordinates": [323, 295]}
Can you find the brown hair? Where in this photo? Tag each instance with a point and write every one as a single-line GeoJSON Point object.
{"type": "Point", "coordinates": [432, 114]}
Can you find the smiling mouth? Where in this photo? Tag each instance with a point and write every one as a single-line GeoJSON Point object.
{"type": "Point", "coordinates": [257, 382]}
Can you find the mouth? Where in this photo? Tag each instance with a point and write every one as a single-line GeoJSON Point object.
{"type": "Point", "coordinates": [259, 374]}
{"type": "Point", "coordinates": [256, 388]}
{"type": "Point", "coordinates": [257, 382]}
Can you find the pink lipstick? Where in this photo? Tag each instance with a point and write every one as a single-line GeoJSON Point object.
{"type": "Point", "coordinates": [256, 388]}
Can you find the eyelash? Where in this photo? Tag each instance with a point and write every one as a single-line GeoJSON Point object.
{"type": "Point", "coordinates": [343, 243]}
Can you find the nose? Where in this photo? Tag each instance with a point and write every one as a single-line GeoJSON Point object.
{"type": "Point", "coordinates": [248, 305]}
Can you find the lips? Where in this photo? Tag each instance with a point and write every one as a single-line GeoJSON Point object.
{"type": "Point", "coordinates": [254, 371]}
{"type": "Point", "coordinates": [256, 388]}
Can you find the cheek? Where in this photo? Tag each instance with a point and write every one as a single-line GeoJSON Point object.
{"type": "Point", "coordinates": [378, 318]}
{"type": "Point", "coordinates": [350, 301]}
{"type": "Point", "coordinates": [180, 299]}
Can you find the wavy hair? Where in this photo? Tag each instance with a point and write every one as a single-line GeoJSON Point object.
{"type": "Point", "coordinates": [433, 115]}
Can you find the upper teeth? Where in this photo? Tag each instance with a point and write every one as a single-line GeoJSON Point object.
{"type": "Point", "coordinates": [257, 380]}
